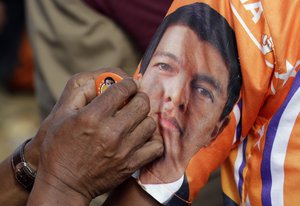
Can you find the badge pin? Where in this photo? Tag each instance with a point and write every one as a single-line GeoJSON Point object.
{"type": "Point", "coordinates": [105, 80]}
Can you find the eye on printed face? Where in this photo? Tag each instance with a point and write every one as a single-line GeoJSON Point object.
{"type": "Point", "coordinates": [186, 81]}
{"type": "Point", "coordinates": [109, 82]}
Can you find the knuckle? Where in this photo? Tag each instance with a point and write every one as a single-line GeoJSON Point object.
{"type": "Point", "coordinates": [72, 82]}
{"type": "Point", "coordinates": [85, 120]}
{"type": "Point", "coordinates": [113, 135]}
{"type": "Point", "coordinates": [111, 132]}
{"type": "Point", "coordinates": [120, 156]}
{"type": "Point", "coordinates": [142, 102]}
{"type": "Point", "coordinates": [106, 132]}
{"type": "Point", "coordinates": [109, 151]}
{"type": "Point", "coordinates": [77, 79]}
{"type": "Point", "coordinates": [129, 82]}
{"type": "Point", "coordinates": [131, 165]}
{"type": "Point", "coordinates": [121, 90]}
{"type": "Point", "coordinates": [129, 85]}
{"type": "Point", "coordinates": [103, 106]}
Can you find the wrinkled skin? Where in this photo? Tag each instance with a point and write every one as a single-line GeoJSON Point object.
{"type": "Point", "coordinates": [88, 145]}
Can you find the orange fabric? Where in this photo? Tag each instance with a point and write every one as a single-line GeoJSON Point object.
{"type": "Point", "coordinates": [267, 34]}
{"type": "Point", "coordinates": [199, 168]}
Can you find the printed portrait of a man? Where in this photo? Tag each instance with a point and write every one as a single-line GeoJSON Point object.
{"type": "Point", "coordinates": [192, 76]}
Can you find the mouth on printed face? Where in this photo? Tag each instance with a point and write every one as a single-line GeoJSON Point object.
{"type": "Point", "coordinates": [170, 124]}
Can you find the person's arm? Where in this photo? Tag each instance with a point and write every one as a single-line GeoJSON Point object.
{"type": "Point", "coordinates": [48, 190]}
{"type": "Point", "coordinates": [109, 141]}
{"type": "Point", "coordinates": [12, 193]}
{"type": "Point", "coordinates": [129, 193]}
{"type": "Point", "coordinates": [87, 146]}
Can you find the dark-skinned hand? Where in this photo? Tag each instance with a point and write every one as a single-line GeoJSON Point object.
{"type": "Point", "coordinates": [91, 144]}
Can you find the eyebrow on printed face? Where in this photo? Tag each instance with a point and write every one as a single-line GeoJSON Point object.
{"type": "Point", "coordinates": [211, 81]}
{"type": "Point", "coordinates": [168, 55]}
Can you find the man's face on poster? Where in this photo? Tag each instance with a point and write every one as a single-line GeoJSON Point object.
{"type": "Point", "coordinates": [186, 81]}
{"type": "Point", "coordinates": [109, 82]}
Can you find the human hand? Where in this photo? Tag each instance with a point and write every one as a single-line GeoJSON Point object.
{"type": "Point", "coordinates": [96, 142]}
{"type": "Point", "coordinates": [62, 108]}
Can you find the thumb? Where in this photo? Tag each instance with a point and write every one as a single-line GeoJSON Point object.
{"type": "Point", "coordinates": [76, 97]}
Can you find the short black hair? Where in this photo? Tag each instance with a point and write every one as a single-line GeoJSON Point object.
{"type": "Point", "coordinates": [108, 78]}
{"type": "Point", "coordinates": [213, 28]}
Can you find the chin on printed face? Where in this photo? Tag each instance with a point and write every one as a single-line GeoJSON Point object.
{"type": "Point", "coordinates": [186, 79]}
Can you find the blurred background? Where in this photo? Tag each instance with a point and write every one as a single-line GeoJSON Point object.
{"type": "Point", "coordinates": [43, 43]}
{"type": "Point", "coordinates": [19, 116]}
{"type": "Point", "coordinates": [67, 37]}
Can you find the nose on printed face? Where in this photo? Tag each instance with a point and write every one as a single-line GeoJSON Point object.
{"type": "Point", "coordinates": [176, 95]}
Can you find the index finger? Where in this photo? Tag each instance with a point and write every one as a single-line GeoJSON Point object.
{"type": "Point", "coordinates": [80, 89]}
{"type": "Point", "coordinates": [114, 98]}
